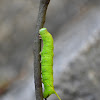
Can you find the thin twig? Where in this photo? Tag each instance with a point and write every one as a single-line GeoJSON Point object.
{"type": "Point", "coordinates": [37, 49]}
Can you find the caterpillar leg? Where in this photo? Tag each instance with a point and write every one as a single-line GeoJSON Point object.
{"type": "Point", "coordinates": [41, 80]}
{"type": "Point", "coordinates": [40, 37]}
{"type": "Point", "coordinates": [40, 53]}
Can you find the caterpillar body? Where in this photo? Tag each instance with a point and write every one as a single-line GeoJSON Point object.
{"type": "Point", "coordinates": [47, 63]}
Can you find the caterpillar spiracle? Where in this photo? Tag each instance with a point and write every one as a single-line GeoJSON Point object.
{"type": "Point", "coordinates": [47, 63]}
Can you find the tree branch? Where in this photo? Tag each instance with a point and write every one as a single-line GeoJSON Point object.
{"type": "Point", "coordinates": [37, 48]}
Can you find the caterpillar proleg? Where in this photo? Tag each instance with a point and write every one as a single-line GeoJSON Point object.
{"type": "Point", "coordinates": [47, 63]}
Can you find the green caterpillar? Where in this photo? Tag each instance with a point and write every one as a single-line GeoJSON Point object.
{"type": "Point", "coordinates": [47, 63]}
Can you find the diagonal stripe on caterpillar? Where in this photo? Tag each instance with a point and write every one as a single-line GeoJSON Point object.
{"type": "Point", "coordinates": [47, 63]}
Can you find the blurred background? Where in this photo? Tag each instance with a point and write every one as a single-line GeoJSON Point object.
{"type": "Point", "coordinates": [75, 26]}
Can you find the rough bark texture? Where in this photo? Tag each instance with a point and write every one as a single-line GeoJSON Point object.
{"type": "Point", "coordinates": [37, 49]}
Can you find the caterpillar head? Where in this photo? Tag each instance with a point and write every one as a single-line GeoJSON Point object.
{"type": "Point", "coordinates": [43, 32]}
